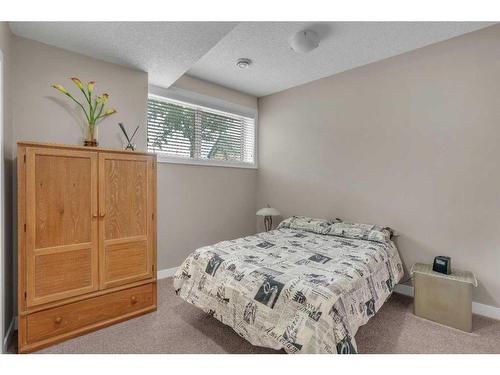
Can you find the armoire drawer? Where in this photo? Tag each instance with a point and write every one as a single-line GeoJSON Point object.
{"type": "Point", "coordinates": [82, 314]}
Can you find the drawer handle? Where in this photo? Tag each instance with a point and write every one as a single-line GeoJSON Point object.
{"type": "Point", "coordinates": [58, 320]}
{"type": "Point", "coordinates": [133, 300]}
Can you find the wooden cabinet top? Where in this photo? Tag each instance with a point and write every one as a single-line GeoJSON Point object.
{"type": "Point", "coordinates": [82, 148]}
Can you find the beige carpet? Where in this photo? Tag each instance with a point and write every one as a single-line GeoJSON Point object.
{"type": "Point", "coordinates": [178, 327]}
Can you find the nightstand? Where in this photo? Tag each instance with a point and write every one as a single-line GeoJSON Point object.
{"type": "Point", "coordinates": [445, 299]}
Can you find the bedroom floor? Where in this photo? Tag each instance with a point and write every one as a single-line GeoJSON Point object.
{"type": "Point", "coordinates": [178, 327]}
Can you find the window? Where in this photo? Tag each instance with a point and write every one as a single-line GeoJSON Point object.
{"type": "Point", "coordinates": [183, 132]}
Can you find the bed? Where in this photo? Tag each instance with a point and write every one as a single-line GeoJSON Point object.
{"type": "Point", "coordinates": [305, 287]}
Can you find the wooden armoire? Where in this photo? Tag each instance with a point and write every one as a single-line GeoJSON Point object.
{"type": "Point", "coordinates": [86, 240]}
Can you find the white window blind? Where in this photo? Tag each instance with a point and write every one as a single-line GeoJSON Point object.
{"type": "Point", "coordinates": [190, 132]}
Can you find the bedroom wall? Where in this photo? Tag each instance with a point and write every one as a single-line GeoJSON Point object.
{"type": "Point", "coordinates": [211, 89]}
{"type": "Point", "coordinates": [40, 113]}
{"type": "Point", "coordinates": [44, 114]}
{"type": "Point", "coordinates": [201, 205]}
{"type": "Point", "coordinates": [7, 165]}
{"type": "Point", "coordinates": [411, 142]}
{"type": "Point", "coordinates": [197, 205]}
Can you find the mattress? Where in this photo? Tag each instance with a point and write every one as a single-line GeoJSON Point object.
{"type": "Point", "coordinates": [300, 290]}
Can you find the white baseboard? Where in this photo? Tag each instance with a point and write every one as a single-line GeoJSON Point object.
{"type": "Point", "coordinates": [477, 308]}
{"type": "Point", "coordinates": [8, 335]}
{"type": "Point", "coordinates": [486, 310]}
{"type": "Point", "coordinates": [404, 289]}
{"type": "Point", "coordinates": [169, 272]}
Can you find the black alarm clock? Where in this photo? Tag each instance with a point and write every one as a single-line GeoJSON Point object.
{"type": "Point", "coordinates": [442, 264]}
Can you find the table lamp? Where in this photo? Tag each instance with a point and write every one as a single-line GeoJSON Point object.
{"type": "Point", "coordinates": [268, 213]}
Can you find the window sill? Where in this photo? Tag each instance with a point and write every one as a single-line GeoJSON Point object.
{"type": "Point", "coordinates": [206, 163]}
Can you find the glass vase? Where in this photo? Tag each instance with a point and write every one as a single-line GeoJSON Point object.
{"type": "Point", "coordinates": [90, 136]}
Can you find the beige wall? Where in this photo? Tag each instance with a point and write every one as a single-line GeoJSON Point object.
{"type": "Point", "coordinates": [211, 89]}
{"type": "Point", "coordinates": [201, 205]}
{"type": "Point", "coordinates": [40, 113]}
{"type": "Point", "coordinates": [411, 142]}
{"type": "Point", "coordinates": [7, 164]}
{"type": "Point", "coordinates": [197, 205]}
{"type": "Point", "coordinates": [44, 114]}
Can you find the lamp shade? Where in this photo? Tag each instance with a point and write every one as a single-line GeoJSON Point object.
{"type": "Point", "coordinates": [268, 211]}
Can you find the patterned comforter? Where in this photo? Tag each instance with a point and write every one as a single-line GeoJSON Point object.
{"type": "Point", "coordinates": [306, 287]}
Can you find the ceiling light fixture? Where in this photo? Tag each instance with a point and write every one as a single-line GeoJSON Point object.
{"type": "Point", "coordinates": [243, 63]}
{"type": "Point", "coordinates": [304, 41]}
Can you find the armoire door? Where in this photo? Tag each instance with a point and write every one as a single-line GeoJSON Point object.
{"type": "Point", "coordinates": [126, 209]}
{"type": "Point", "coordinates": [61, 224]}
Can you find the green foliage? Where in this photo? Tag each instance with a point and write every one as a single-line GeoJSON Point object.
{"type": "Point", "coordinates": [216, 135]}
{"type": "Point", "coordinates": [172, 124]}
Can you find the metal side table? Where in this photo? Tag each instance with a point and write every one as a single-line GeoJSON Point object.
{"type": "Point", "coordinates": [445, 299]}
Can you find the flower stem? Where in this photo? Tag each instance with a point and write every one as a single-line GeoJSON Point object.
{"type": "Point", "coordinates": [77, 102]}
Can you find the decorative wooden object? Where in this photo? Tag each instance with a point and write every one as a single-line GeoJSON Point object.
{"type": "Point", "coordinates": [87, 240]}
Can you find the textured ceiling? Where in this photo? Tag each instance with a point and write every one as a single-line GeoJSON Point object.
{"type": "Point", "coordinates": [166, 50]}
{"type": "Point", "coordinates": [209, 50]}
{"type": "Point", "coordinates": [343, 46]}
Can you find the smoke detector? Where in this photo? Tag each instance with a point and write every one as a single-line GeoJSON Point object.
{"type": "Point", "coordinates": [243, 63]}
{"type": "Point", "coordinates": [304, 41]}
